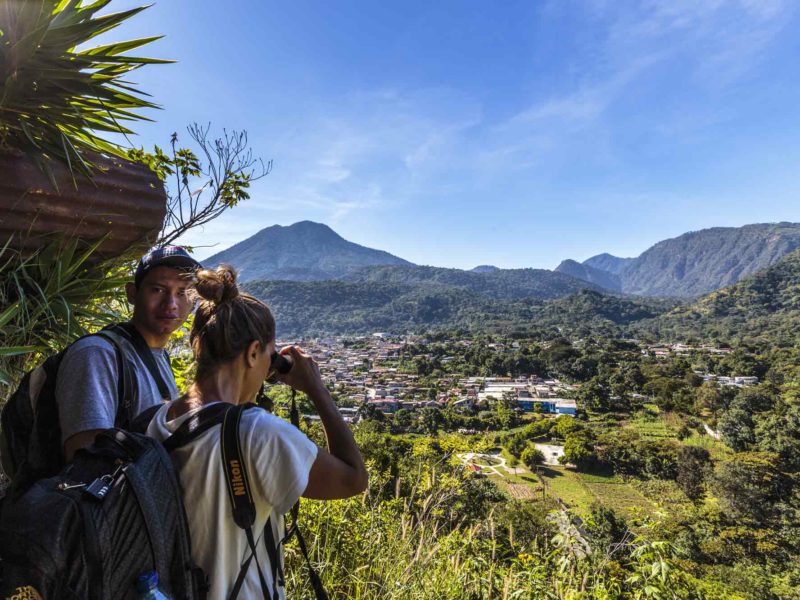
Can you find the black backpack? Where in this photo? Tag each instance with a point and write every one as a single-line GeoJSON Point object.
{"type": "Point", "coordinates": [112, 515]}
{"type": "Point", "coordinates": [241, 498]}
{"type": "Point", "coordinates": [30, 433]}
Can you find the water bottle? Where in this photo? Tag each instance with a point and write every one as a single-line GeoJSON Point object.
{"type": "Point", "coordinates": [147, 584]}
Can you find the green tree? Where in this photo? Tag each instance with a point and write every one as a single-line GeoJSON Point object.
{"type": "Point", "coordinates": [532, 457]}
{"type": "Point", "coordinates": [749, 484]}
{"type": "Point", "coordinates": [694, 464]}
{"type": "Point", "coordinates": [431, 420]}
{"type": "Point", "coordinates": [779, 432]}
{"type": "Point", "coordinates": [607, 529]}
{"type": "Point", "coordinates": [402, 419]}
{"type": "Point", "coordinates": [564, 425]}
{"type": "Point", "coordinates": [708, 399]}
{"type": "Point", "coordinates": [736, 428]}
{"type": "Point", "coordinates": [504, 415]}
{"type": "Point", "coordinates": [578, 450]}
{"type": "Point", "coordinates": [594, 395]}
{"type": "Point", "coordinates": [538, 429]}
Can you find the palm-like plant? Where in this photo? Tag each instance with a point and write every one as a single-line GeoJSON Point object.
{"type": "Point", "coordinates": [51, 297]}
{"type": "Point", "coordinates": [56, 101]}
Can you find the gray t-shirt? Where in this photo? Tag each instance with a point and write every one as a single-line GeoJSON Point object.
{"type": "Point", "coordinates": [87, 384]}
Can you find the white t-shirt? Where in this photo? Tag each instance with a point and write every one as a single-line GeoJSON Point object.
{"type": "Point", "coordinates": [278, 458]}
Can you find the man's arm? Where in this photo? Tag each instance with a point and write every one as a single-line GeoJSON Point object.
{"type": "Point", "coordinates": [86, 392]}
{"type": "Point", "coordinates": [78, 441]}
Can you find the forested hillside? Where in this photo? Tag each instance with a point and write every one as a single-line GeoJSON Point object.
{"type": "Point", "coordinates": [604, 279]}
{"type": "Point", "coordinates": [496, 284]}
{"type": "Point", "coordinates": [338, 307]}
{"type": "Point", "coordinates": [764, 307]}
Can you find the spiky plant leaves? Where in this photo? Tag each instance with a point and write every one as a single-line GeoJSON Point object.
{"type": "Point", "coordinates": [56, 102]}
{"type": "Point", "coordinates": [52, 297]}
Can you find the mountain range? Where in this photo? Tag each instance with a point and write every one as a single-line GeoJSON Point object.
{"type": "Point", "coordinates": [318, 282]}
{"type": "Point", "coordinates": [305, 251]}
{"type": "Point", "coordinates": [764, 307]}
{"type": "Point", "coordinates": [689, 265]}
{"type": "Point", "coordinates": [694, 263]}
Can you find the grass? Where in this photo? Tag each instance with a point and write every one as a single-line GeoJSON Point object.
{"type": "Point", "coordinates": [623, 497]}
{"type": "Point", "coordinates": [652, 425]}
{"type": "Point", "coordinates": [566, 485]}
{"type": "Point", "coordinates": [717, 449]}
{"type": "Point", "coordinates": [579, 491]}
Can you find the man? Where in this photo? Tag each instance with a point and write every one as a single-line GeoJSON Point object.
{"type": "Point", "coordinates": [88, 377]}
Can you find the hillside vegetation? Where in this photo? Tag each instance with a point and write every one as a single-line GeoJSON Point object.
{"type": "Point", "coordinates": [500, 284]}
{"type": "Point", "coordinates": [344, 307]}
{"type": "Point", "coordinates": [763, 308]}
{"type": "Point", "coordinates": [702, 261]}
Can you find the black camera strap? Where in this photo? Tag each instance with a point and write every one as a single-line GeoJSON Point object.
{"type": "Point", "coordinates": [241, 497]}
{"type": "Point", "coordinates": [294, 530]}
{"type": "Point", "coordinates": [244, 511]}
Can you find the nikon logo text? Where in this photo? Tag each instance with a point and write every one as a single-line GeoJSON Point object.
{"type": "Point", "coordinates": [236, 478]}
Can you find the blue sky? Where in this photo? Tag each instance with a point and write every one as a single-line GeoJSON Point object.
{"type": "Point", "coordinates": [509, 133]}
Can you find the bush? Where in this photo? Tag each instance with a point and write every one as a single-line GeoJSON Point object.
{"type": "Point", "coordinates": [532, 457]}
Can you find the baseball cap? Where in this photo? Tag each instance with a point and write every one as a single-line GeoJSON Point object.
{"type": "Point", "coordinates": [166, 256]}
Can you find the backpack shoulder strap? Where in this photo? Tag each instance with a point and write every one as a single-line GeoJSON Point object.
{"type": "Point", "coordinates": [294, 530]}
{"type": "Point", "coordinates": [129, 332]}
{"type": "Point", "coordinates": [142, 420]}
{"type": "Point", "coordinates": [197, 425]}
{"type": "Point", "coordinates": [124, 379]}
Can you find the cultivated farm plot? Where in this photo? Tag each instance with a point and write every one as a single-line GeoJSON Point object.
{"type": "Point", "coordinates": [522, 491]}
{"type": "Point", "coordinates": [718, 450]}
{"type": "Point", "coordinates": [566, 485]}
{"type": "Point", "coordinates": [622, 497]}
{"type": "Point", "coordinates": [652, 429]}
{"type": "Point", "coordinates": [580, 490]}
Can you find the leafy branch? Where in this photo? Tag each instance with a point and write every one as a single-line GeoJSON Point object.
{"type": "Point", "coordinates": [203, 187]}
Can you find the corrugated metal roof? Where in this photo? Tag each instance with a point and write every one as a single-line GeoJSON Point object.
{"type": "Point", "coordinates": [124, 201]}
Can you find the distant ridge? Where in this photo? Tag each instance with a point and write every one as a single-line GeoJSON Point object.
{"type": "Point", "coordinates": [304, 251]}
{"type": "Point", "coordinates": [700, 262]}
{"type": "Point", "coordinates": [498, 284]}
{"type": "Point", "coordinates": [763, 306]}
{"type": "Point", "coordinates": [484, 269]}
{"type": "Point", "coordinates": [608, 262]}
{"type": "Point", "coordinates": [691, 264]}
{"type": "Point", "coordinates": [604, 279]}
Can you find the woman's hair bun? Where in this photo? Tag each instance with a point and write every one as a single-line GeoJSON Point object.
{"type": "Point", "coordinates": [217, 285]}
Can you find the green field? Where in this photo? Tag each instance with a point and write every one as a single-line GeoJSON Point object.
{"type": "Point", "coordinates": [580, 490]}
{"type": "Point", "coordinates": [652, 428]}
{"type": "Point", "coordinates": [717, 449]}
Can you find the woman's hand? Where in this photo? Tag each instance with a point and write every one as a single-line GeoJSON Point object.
{"type": "Point", "coordinates": [338, 472]}
{"type": "Point", "coordinates": [304, 375]}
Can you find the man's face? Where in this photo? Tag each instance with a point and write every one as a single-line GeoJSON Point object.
{"type": "Point", "coordinates": [160, 303]}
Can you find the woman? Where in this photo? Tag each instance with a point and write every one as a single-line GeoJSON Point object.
{"type": "Point", "coordinates": [233, 339]}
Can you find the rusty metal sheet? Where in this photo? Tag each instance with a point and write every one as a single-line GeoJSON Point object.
{"type": "Point", "coordinates": [124, 201]}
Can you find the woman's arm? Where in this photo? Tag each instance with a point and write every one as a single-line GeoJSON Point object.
{"type": "Point", "coordinates": [338, 472]}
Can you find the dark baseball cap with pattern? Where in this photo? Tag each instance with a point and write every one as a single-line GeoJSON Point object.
{"type": "Point", "coordinates": [166, 256]}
